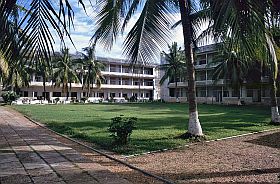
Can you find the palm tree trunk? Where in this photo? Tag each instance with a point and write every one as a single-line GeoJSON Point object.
{"type": "Point", "coordinates": [88, 88]}
{"type": "Point", "coordinates": [275, 117]}
{"type": "Point", "coordinates": [44, 86]}
{"type": "Point", "coordinates": [194, 127]}
{"type": "Point", "coordinates": [176, 90]}
{"type": "Point", "coordinates": [88, 80]}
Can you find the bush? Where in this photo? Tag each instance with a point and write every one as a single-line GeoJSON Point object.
{"type": "Point", "coordinates": [133, 99]}
{"type": "Point", "coordinates": [84, 99]}
{"type": "Point", "coordinates": [56, 100]}
{"type": "Point", "coordinates": [121, 128]}
{"type": "Point", "coordinates": [9, 96]}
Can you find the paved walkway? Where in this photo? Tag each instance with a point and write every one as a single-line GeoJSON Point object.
{"type": "Point", "coordinates": [29, 154]}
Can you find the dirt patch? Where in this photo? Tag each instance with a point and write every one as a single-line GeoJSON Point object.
{"type": "Point", "coordinates": [253, 158]}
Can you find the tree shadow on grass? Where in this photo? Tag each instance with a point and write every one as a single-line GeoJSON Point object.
{"type": "Point", "coordinates": [270, 140]}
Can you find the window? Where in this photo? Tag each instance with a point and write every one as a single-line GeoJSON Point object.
{"type": "Point", "coordinates": [35, 94]}
{"type": "Point", "coordinates": [74, 94]}
{"type": "Point", "coordinates": [113, 68]}
{"type": "Point", "coordinates": [56, 94]}
{"type": "Point", "coordinates": [249, 93]}
{"type": "Point", "coordinates": [126, 82]}
{"type": "Point", "coordinates": [202, 62]}
{"type": "Point", "coordinates": [101, 95]}
{"type": "Point", "coordinates": [148, 71]}
{"type": "Point", "coordinates": [37, 79]}
{"type": "Point", "coordinates": [172, 92]}
{"type": "Point", "coordinates": [113, 81]}
{"type": "Point", "coordinates": [226, 94]}
{"type": "Point", "coordinates": [25, 93]}
{"type": "Point", "coordinates": [112, 95]}
{"type": "Point", "coordinates": [235, 93]}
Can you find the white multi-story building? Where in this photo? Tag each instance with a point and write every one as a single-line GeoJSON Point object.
{"type": "Point", "coordinates": [121, 80]}
{"type": "Point", "coordinates": [210, 91]}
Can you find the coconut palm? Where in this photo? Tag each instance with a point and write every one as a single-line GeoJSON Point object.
{"type": "Point", "coordinates": [150, 32]}
{"type": "Point", "coordinates": [36, 23]}
{"type": "Point", "coordinates": [230, 68]}
{"type": "Point", "coordinates": [174, 66]}
{"type": "Point", "coordinates": [237, 22]}
{"type": "Point", "coordinates": [18, 75]}
{"type": "Point", "coordinates": [64, 71]}
{"type": "Point", "coordinates": [41, 68]}
{"type": "Point", "coordinates": [25, 32]}
{"type": "Point", "coordinates": [92, 69]}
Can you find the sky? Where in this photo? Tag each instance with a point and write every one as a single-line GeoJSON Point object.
{"type": "Point", "coordinates": [84, 29]}
{"type": "Point", "coordinates": [84, 24]}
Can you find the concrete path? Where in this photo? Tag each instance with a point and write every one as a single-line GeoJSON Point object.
{"type": "Point", "coordinates": [29, 154]}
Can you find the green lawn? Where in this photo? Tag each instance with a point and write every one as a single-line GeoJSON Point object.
{"type": "Point", "coordinates": [157, 125]}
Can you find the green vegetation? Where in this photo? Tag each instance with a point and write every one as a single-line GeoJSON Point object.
{"type": "Point", "coordinates": [9, 96]}
{"type": "Point", "coordinates": [157, 124]}
{"type": "Point", "coordinates": [121, 128]}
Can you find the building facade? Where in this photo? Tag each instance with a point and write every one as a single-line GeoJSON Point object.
{"type": "Point", "coordinates": [213, 92]}
{"type": "Point", "coordinates": [121, 81]}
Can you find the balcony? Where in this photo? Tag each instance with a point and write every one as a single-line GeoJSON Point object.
{"type": "Point", "coordinates": [119, 74]}
{"type": "Point", "coordinates": [198, 83]}
{"type": "Point", "coordinates": [108, 86]}
{"type": "Point", "coordinates": [40, 84]}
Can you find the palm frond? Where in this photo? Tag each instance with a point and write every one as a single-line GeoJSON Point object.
{"type": "Point", "coordinates": [149, 32]}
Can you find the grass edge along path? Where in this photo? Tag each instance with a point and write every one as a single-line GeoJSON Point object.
{"type": "Point", "coordinates": [157, 126]}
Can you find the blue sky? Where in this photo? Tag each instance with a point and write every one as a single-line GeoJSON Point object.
{"type": "Point", "coordinates": [84, 29]}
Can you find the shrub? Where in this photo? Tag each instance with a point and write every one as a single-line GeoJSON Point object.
{"type": "Point", "coordinates": [83, 100]}
{"type": "Point", "coordinates": [133, 99]}
{"type": "Point", "coordinates": [56, 100]}
{"type": "Point", "coordinates": [9, 96]}
{"type": "Point", "coordinates": [121, 128]}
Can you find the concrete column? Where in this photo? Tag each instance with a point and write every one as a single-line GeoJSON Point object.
{"type": "Point", "coordinates": [230, 92]}
{"type": "Point", "coordinates": [109, 67]}
{"type": "Point", "coordinates": [108, 80]}
{"type": "Point", "coordinates": [79, 96]}
{"type": "Point", "coordinates": [51, 94]}
{"type": "Point", "coordinates": [243, 91]}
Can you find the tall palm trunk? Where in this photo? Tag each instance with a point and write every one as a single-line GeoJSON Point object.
{"type": "Point", "coordinates": [194, 127]}
{"type": "Point", "coordinates": [44, 86]}
{"type": "Point", "coordinates": [275, 117]}
{"type": "Point", "coordinates": [176, 87]}
{"type": "Point", "coordinates": [88, 81]}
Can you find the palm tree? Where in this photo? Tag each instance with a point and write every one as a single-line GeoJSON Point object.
{"type": "Point", "coordinates": [231, 68]}
{"type": "Point", "coordinates": [42, 69]}
{"type": "Point", "coordinates": [237, 22]}
{"type": "Point", "coordinates": [150, 32]}
{"type": "Point", "coordinates": [174, 66]}
{"type": "Point", "coordinates": [64, 71]}
{"type": "Point", "coordinates": [18, 75]}
{"type": "Point", "coordinates": [35, 25]}
{"type": "Point", "coordinates": [92, 69]}
{"type": "Point", "coordinates": [25, 32]}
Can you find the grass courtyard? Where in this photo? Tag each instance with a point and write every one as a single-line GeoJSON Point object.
{"type": "Point", "coordinates": [158, 124]}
